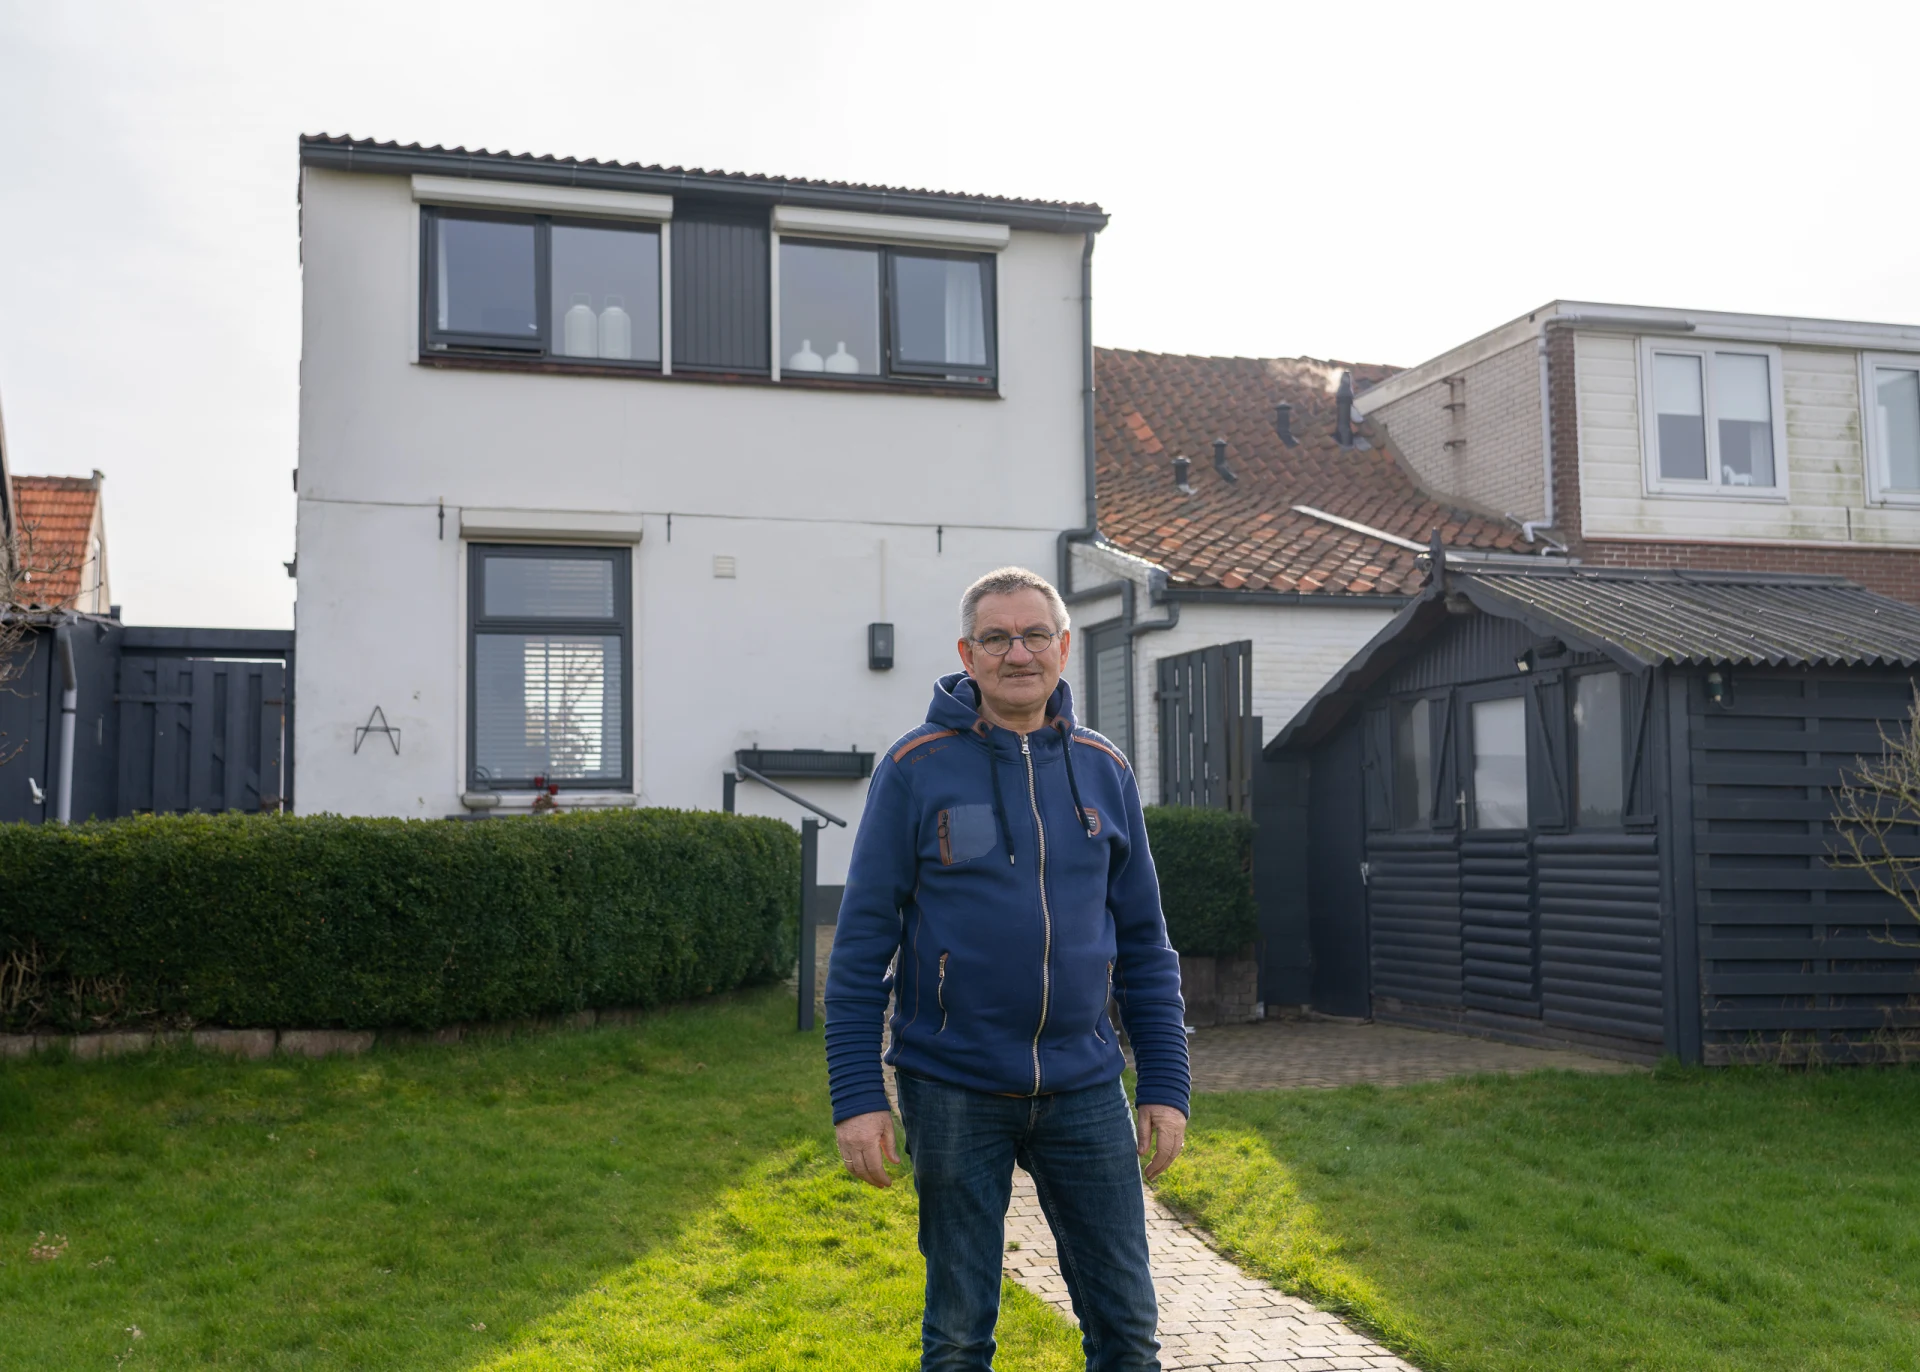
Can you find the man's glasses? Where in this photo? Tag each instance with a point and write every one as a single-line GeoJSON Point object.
{"type": "Point", "coordinates": [997, 643]}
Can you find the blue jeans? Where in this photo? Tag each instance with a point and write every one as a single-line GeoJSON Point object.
{"type": "Point", "coordinates": [1079, 1148]}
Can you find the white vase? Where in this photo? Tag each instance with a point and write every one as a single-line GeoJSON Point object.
{"type": "Point", "coordinates": [578, 335]}
{"type": "Point", "coordinates": [806, 360]}
{"type": "Point", "coordinates": [616, 330]}
{"type": "Point", "coordinates": [843, 361]}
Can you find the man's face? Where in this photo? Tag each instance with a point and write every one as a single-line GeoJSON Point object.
{"type": "Point", "coordinates": [1021, 681]}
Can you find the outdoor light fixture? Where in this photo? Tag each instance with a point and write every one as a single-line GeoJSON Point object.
{"type": "Point", "coordinates": [1524, 663]}
{"type": "Point", "coordinates": [1716, 689]}
{"type": "Point", "coordinates": [880, 647]}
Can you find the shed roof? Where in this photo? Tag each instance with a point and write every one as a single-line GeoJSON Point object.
{"type": "Point", "coordinates": [1640, 618]}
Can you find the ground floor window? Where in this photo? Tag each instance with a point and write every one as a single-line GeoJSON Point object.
{"type": "Point", "coordinates": [548, 663]}
{"type": "Point", "coordinates": [1500, 763]}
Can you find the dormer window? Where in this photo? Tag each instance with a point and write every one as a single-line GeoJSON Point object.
{"type": "Point", "coordinates": [1713, 420]}
{"type": "Point", "coordinates": [1892, 383]}
{"type": "Point", "coordinates": [541, 286]}
{"type": "Point", "coordinates": [860, 310]}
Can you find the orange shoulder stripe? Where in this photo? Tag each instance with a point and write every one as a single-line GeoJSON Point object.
{"type": "Point", "coordinates": [906, 748]}
{"type": "Point", "coordinates": [1096, 743]}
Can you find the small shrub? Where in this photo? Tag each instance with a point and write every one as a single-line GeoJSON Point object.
{"type": "Point", "coordinates": [1205, 861]}
{"type": "Point", "coordinates": [325, 921]}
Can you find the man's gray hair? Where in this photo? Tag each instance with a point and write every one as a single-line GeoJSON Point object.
{"type": "Point", "coordinates": [1007, 581]}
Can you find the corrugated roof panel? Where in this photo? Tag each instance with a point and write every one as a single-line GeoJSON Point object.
{"type": "Point", "coordinates": [1713, 617]}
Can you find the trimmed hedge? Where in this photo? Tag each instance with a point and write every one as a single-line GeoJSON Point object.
{"type": "Point", "coordinates": [324, 921]}
{"type": "Point", "coordinates": [1205, 861]}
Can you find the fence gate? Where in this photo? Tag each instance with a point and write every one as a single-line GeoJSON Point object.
{"type": "Point", "coordinates": [201, 734]}
{"type": "Point", "coordinates": [1208, 737]}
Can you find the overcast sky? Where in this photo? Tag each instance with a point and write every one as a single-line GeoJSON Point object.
{"type": "Point", "coordinates": [1371, 183]}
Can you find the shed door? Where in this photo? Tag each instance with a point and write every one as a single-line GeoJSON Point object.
{"type": "Point", "coordinates": [1337, 893]}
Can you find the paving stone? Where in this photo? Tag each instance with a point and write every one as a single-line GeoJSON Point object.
{"type": "Point", "coordinates": [323, 1043]}
{"type": "Point", "coordinates": [241, 1043]}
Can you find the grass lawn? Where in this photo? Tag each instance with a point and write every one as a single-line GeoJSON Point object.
{"type": "Point", "coordinates": [664, 1196]}
{"type": "Point", "coordinates": [1726, 1219]}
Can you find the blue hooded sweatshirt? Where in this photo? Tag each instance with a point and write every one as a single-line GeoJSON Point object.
{"type": "Point", "coordinates": [1010, 873]}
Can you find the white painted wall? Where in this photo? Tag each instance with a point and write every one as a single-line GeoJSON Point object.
{"type": "Point", "coordinates": [1296, 649]}
{"type": "Point", "coordinates": [801, 487]}
{"type": "Point", "coordinates": [1825, 464]}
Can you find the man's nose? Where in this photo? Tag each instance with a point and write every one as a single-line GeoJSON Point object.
{"type": "Point", "coordinates": [1019, 645]}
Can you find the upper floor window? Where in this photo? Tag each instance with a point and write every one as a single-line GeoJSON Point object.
{"type": "Point", "coordinates": [1713, 419]}
{"type": "Point", "coordinates": [1893, 425]}
{"type": "Point", "coordinates": [857, 310]}
{"type": "Point", "coordinates": [543, 287]}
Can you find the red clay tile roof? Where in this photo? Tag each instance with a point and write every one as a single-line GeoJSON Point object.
{"type": "Point", "coordinates": [55, 515]}
{"type": "Point", "coordinates": [1153, 407]}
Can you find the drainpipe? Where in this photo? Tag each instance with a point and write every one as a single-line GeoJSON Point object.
{"type": "Point", "coordinates": [1063, 577]}
{"type": "Point", "coordinates": [1156, 594]}
{"type": "Point", "coordinates": [69, 706]}
{"type": "Point", "coordinates": [1546, 437]}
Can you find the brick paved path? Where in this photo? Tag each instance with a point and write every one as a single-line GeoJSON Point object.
{"type": "Point", "coordinates": [1211, 1313]}
{"type": "Point", "coordinates": [1275, 1054]}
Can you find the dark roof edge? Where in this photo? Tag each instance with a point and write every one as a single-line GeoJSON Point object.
{"type": "Point", "coordinates": [390, 160]}
{"type": "Point", "coordinates": [1215, 595]}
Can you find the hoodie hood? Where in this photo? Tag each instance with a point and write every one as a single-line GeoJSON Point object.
{"type": "Point", "coordinates": [956, 703]}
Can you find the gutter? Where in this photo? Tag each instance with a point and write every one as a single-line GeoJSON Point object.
{"type": "Point", "coordinates": [1063, 546]}
{"type": "Point", "coordinates": [69, 706]}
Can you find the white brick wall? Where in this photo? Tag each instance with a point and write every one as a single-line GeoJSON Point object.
{"type": "Point", "coordinates": [1498, 469]}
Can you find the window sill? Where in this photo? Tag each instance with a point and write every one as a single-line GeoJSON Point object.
{"type": "Point", "coordinates": [1745, 494]}
{"type": "Point", "coordinates": [521, 802]}
{"type": "Point", "coordinates": [547, 366]}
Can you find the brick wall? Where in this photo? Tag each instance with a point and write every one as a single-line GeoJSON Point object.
{"type": "Point", "coordinates": [1563, 408]}
{"type": "Point", "coordinates": [1891, 572]}
{"type": "Point", "coordinates": [1485, 452]}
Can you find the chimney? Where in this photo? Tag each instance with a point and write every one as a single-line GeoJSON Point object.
{"type": "Point", "coordinates": [1343, 411]}
{"type": "Point", "coordinates": [1220, 461]}
{"type": "Point", "coordinates": [1181, 481]}
{"type": "Point", "coordinates": [1283, 424]}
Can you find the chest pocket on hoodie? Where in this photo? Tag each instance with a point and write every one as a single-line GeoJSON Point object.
{"type": "Point", "coordinates": [966, 832]}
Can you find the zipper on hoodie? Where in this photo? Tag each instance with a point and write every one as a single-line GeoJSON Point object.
{"type": "Point", "coordinates": [940, 994]}
{"type": "Point", "coordinates": [1046, 915]}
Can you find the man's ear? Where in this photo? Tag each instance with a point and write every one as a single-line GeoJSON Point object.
{"type": "Point", "coordinates": [966, 654]}
{"type": "Point", "coordinates": [1066, 641]}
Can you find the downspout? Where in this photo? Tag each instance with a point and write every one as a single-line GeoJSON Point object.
{"type": "Point", "coordinates": [69, 706]}
{"type": "Point", "coordinates": [1063, 576]}
{"type": "Point", "coordinates": [1157, 595]}
{"type": "Point", "coordinates": [1546, 439]}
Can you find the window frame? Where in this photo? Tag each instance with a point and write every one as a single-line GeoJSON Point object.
{"type": "Point", "coordinates": [435, 343]}
{"type": "Point", "coordinates": [1878, 492]}
{"type": "Point", "coordinates": [1436, 705]}
{"type": "Point", "coordinates": [1707, 350]}
{"type": "Point", "coordinates": [1574, 752]}
{"type": "Point", "coordinates": [1466, 741]}
{"type": "Point", "coordinates": [893, 372]}
{"type": "Point", "coordinates": [479, 622]}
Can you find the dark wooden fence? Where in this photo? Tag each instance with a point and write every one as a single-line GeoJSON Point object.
{"type": "Point", "coordinates": [1208, 736]}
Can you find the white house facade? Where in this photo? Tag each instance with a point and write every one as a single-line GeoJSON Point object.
{"type": "Point", "coordinates": [609, 472]}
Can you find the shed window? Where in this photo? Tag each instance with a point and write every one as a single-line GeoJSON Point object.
{"type": "Point", "coordinates": [548, 654]}
{"type": "Point", "coordinates": [1714, 420]}
{"type": "Point", "coordinates": [1412, 764]}
{"type": "Point", "coordinates": [1893, 426]}
{"type": "Point", "coordinates": [857, 310]}
{"type": "Point", "coordinates": [1599, 764]}
{"type": "Point", "coordinates": [528, 284]}
{"type": "Point", "coordinates": [1499, 763]}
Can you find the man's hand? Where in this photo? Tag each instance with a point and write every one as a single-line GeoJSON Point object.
{"type": "Point", "coordinates": [866, 1139]}
{"type": "Point", "coordinates": [1161, 1127]}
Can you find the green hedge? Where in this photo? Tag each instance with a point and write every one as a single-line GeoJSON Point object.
{"type": "Point", "coordinates": [1205, 861]}
{"type": "Point", "coordinates": [325, 921]}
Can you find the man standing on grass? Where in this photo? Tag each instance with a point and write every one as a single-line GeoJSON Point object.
{"type": "Point", "coordinates": [1002, 892]}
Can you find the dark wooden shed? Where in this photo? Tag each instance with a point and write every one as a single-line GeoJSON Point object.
{"type": "Point", "coordinates": [1560, 804]}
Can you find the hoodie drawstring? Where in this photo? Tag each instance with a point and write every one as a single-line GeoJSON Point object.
{"type": "Point", "coordinates": [999, 805]}
{"type": "Point", "coordinates": [1073, 787]}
